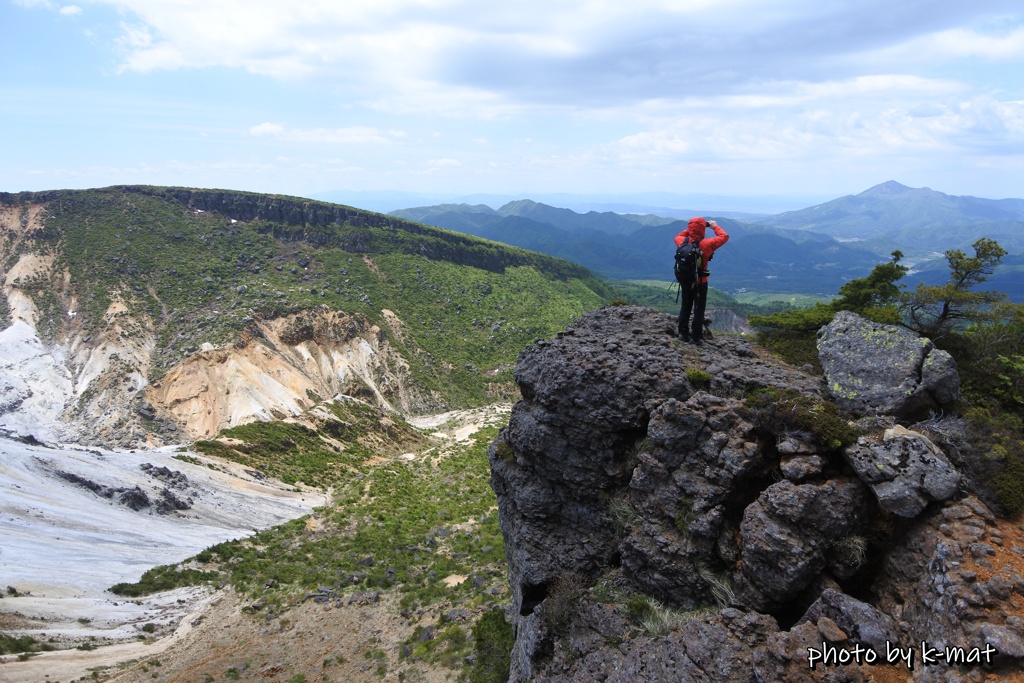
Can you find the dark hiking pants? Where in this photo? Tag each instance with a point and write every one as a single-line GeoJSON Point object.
{"type": "Point", "coordinates": [694, 299]}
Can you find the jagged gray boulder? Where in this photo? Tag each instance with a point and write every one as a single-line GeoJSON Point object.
{"type": "Point", "coordinates": [787, 531]}
{"type": "Point", "coordinates": [905, 470]}
{"type": "Point", "coordinates": [701, 453]}
{"type": "Point", "coordinates": [861, 622]}
{"type": "Point", "coordinates": [876, 369]}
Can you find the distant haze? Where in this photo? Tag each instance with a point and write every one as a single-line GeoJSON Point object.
{"type": "Point", "coordinates": [659, 203]}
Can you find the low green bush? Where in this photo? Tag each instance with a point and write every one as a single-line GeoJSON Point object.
{"type": "Point", "coordinates": [163, 578]}
{"type": "Point", "coordinates": [773, 409]}
{"type": "Point", "coordinates": [493, 638]}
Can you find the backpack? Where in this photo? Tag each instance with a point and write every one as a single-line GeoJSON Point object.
{"type": "Point", "coordinates": [689, 263]}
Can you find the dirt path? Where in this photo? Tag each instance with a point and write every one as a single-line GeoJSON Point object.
{"type": "Point", "coordinates": [461, 424]}
{"type": "Point", "coordinates": [67, 665]}
{"type": "Point", "coordinates": [355, 642]}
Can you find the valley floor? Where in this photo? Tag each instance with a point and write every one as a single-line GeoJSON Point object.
{"type": "Point", "coordinates": [65, 544]}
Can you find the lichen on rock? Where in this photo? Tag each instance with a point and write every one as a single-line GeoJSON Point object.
{"type": "Point", "coordinates": [876, 369]}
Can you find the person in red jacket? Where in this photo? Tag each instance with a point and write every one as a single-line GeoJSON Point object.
{"type": "Point", "coordinates": [695, 296]}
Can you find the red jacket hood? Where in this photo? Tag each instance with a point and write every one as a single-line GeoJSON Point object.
{"type": "Point", "coordinates": [696, 229]}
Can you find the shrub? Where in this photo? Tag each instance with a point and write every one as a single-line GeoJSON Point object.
{"type": "Point", "coordinates": [621, 513]}
{"type": "Point", "coordinates": [684, 515]}
{"type": "Point", "coordinates": [850, 551]}
{"type": "Point", "coordinates": [561, 602]}
{"type": "Point", "coordinates": [11, 644]}
{"type": "Point", "coordinates": [504, 451]}
{"type": "Point", "coordinates": [794, 347]}
{"type": "Point", "coordinates": [493, 638]}
{"type": "Point", "coordinates": [789, 409]}
{"type": "Point", "coordinates": [992, 453]}
{"type": "Point", "coordinates": [700, 379]}
{"type": "Point", "coordinates": [163, 578]}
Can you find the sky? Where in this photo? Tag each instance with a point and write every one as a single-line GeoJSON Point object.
{"type": "Point", "coordinates": [772, 98]}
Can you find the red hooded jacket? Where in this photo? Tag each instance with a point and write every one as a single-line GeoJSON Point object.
{"type": "Point", "coordinates": [695, 231]}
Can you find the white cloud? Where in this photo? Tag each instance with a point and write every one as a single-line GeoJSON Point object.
{"type": "Point", "coordinates": [575, 88]}
{"type": "Point", "coordinates": [583, 52]}
{"type": "Point", "coordinates": [352, 135]}
{"type": "Point", "coordinates": [832, 130]}
{"type": "Point", "coordinates": [994, 46]}
{"type": "Point", "coordinates": [66, 10]}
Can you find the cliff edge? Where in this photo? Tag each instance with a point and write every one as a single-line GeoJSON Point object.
{"type": "Point", "coordinates": [674, 513]}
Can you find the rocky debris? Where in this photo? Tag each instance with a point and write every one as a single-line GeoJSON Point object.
{"type": "Point", "coordinates": [146, 410]}
{"type": "Point", "coordinates": [166, 501]}
{"type": "Point", "coordinates": [876, 369]}
{"type": "Point", "coordinates": [939, 589]}
{"type": "Point", "coordinates": [723, 647]}
{"type": "Point", "coordinates": [134, 498]}
{"type": "Point", "coordinates": [905, 470]}
{"type": "Point", "coordinates": [614, 463]}
{"type": "Point", "coordinates": [170, 477]}
{"type": "Point", "coordinates": [858, 621]}
{"type": "Point", "coordinates": [169, 502]}
{"type": "Point", "coordinates": [800, 467]}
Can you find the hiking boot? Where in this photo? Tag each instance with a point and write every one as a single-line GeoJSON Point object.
{"type": "Point", "coordinates": [698, 342]}
{"type": "Point", "coordinates": [685, 338]}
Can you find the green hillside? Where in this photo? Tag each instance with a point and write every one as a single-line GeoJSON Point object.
{"type": "Point", "coordinates": [204, 264]}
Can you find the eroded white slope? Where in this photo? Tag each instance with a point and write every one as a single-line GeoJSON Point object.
{"type": "Point", "coordinates": [66, 544]}
{"type": "Point", "coordinates": [35, 384]}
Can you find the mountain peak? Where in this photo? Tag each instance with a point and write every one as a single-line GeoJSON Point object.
{"type": "Point", "coordinates": [889, 187]}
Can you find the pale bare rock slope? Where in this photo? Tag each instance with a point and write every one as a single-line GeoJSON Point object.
{"type": "Point", "coordinates": [199, 631]}
{"type": "Point", "coordinates": [61, 382]}
{"type": "Point", "coordinates": [74, 522]}
{"type": "Point", "coordinates": [279, 369]}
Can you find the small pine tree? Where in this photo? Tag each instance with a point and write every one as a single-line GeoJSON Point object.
{"type": "Point", "coordinates": [935, 310]}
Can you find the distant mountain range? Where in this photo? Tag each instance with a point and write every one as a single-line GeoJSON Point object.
{"type": "Point", "coordinates": [811, 251]}
{"type": "Point", "coordinates": [916, 220]}
{"type": "Point", "coordinates": [672, 204]}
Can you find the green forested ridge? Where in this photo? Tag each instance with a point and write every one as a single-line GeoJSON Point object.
{"type": "Point", "coordinates": [204, 263]}
{"type": "Point", "coordinates": [664, 296]}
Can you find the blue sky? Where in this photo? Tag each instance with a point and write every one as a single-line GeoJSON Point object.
{"type": "Point", "coordinates": [454, 97]}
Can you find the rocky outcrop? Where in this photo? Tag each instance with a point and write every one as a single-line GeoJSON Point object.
{"type": "Point", "coordinates": [956, 581]}
{"type": "Point", "coordinates": [669, 516]}
{"type": "Point", "coordinates": [904, 469]}
{"type": "Point", "coordinates": [876, 369]}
